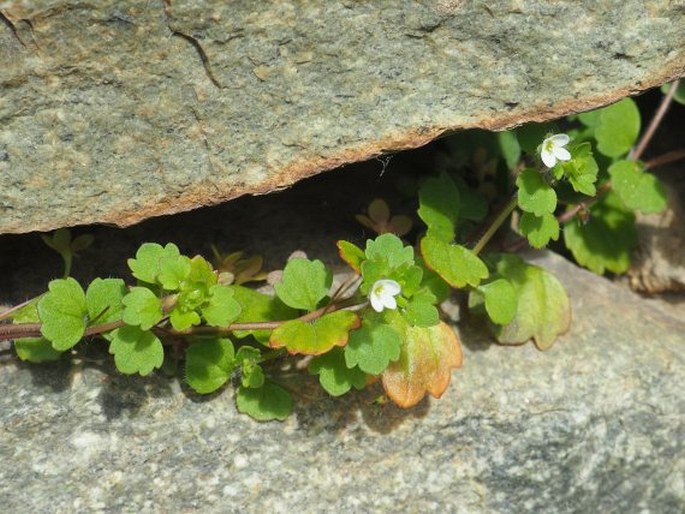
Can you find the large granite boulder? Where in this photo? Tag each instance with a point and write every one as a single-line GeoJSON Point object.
{"type": "Point", "coordinates": [596, 424]}
{"type": "Point", "coordinates": [115, 111]}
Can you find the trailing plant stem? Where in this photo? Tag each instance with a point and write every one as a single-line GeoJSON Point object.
{"type": "Point", "coordinates": [496, 224]}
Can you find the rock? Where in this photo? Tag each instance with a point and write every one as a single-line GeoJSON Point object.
{"type": "Point", "coordinates": [596, 424]}
{"type": "Point", "coordinates": [116, 111]}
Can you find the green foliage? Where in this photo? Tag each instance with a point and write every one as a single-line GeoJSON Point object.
{"type": "Point", "coordinates": [372, 347]}
{"type": "Point", "coordinates": [265, 403]}
{"type": "Point", "coordinates": [539, 229]}
{"type": "Point", "coordinates": [499, 299]}
{"type": "Point", "coordinates": [581, 171]}
{"type": "Point", "coordinates": [104, 300]}
{"type": "Point", "coordinates": [209, 364]}
{"type": "Point", "coordinates": [389, 328]}
{"type": "Point", "coordinates": [62, 243]}
{"type": "Point", "coordinates": [617, 128]}
{"type": "Point", "coordinates": [33, 349]}
{"type": "Point", "coordinates": [142, 308]}
{"type": "Point", "coordinates": [426, 360]}
{"type": "Point", "coordinates": [135, 350]}
{"type": "Point", "coordinates": [63, 313]}
{"type": "Point", "coordinates": [305, 283]}
{"type": "Point", "coordinates": [534, 194]}
{"type": "Point", "coordinates": [222, 308]}
{"type": "Point", "coordinates": [637, 189]}
{"type": "Point", "coordinates": [352, 255]}
{"type": "Point", "coordinates": [335, 375]}
{"type": "Point", "coordinates": [315, 337]}
{"type": "Point", "coordinates": [439, 206]}
{"type": "Point", "coordinates": [543, 310]}
{"type": "Point", "coordinates": [456, 265]}
{"type": "Point", "coordinates": [259, 307]}
{"type": "Point", "coordinates": [604, 242]}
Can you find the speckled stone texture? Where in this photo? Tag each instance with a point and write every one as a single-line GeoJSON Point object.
{"type": "Point", "coordinates": [597, 424]}
{"type": "Point", "coordinates": [115, 111]}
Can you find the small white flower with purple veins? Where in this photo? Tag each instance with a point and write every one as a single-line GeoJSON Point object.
{"type": "Point", "coordinates": [382, 295]}
{"type": "Point", "coordinates": [553, 150]}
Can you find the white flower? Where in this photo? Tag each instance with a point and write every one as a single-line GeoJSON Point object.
{"type": "Point", "coordinates": [553, 150]}
{"type": "Point", "coordinates": [383, 294]}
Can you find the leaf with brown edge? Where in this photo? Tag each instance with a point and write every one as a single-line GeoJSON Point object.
{"type": "Point", "coordinates": [316, 337]}
{"type": "Point", "coordinates": [428, 355]}
{"type": "Point", "coordinates": [351, 254]}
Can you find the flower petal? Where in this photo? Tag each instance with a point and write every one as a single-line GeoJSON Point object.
{"type": "Point", "coordinates": [376, 302]}
{"type": "Point", "coordinates": [548, 158]}
{"type": "Point", "coordinates": [562, 154]}
{"type": "Point", "coordinates": [560, 139]}
{"type": "Point", "coordinates": [389, 302]}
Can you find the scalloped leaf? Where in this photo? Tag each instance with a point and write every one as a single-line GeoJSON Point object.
{"type": "Point", "coordinates": [222, 308]}
{"type": "Point", "coordinates": [209, 364]}
{"type": "Point", "coordinates": [457, 265]}
{"type": "Point", "coordinates": [390, 249]}
{"type": "Point", "coordinates": [606, 240]}
{"type": "Point", "coordinates": [305, 283]}
{"type": "Point", "coordinates": [427, 358]}
{"type": "Point", "coordinates": [638, 189]}
{"type": "Point", "coordinates": [149, 257]}
{"type": "Point", "coordinates": [439, 206]}
{"type": "Point", "coordinates": [534, 194]}
{"type": "Point", "coordinates": [135, 350]}
{"type": "Point", "coordinates": [499, 298]}
{"type": "Point", "coordinates": [103, 300]}
{"type": "Point", "coordinates": [335, 376]}
{"type": "Point", "coordinates": [543, 310]}
{"type": "Point", "coordinates": [539, 229]}
{"type": "Point", "coordinates": [266, 403]}
{"type": "Point", "coordinates": [316, 337]}
{"type": "Point", "coordinates": [142, 308]}
{"type": "Point", "coordinates": [618, 128]}
{"type": "Point", "coordinates": [63, 313]}
{"type": "Point", "coordinates": [373, 347]}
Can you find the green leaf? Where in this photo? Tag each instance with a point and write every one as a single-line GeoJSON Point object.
{"type": "Point", "coordinates": [534, 194]}
{"type": "Point", "coordinates": [638, 189]}
{"type": "Point", "coordinates": [149, 258]}
{"type": "Point", "coordinates": [183, 319]}
{"type": "Point", "coordinates": [679, 95]}
{"type": "Point", "coordinates": [388, 248]}
{"type": "Point", "coordinates": [439, 206]}
{"type": "Point", "coordinates": [351, 254]}
{"type": "Point", "coordinates": [335, 376]}
{"type": "Point", "coordinates": [63, 313]}
{"type": "Point", "coordinates": [209, 364]}
{"type": "Point", "coordinates": [581, 171]}
{"type": "Point", "coordinates": [33, 349]}
{"type": "Point", "coordinates": [510, 148]}
{"type": "Point", "coordinates": [265, 403]}
{"type": "Point", "coordinates": [305, 283]}
{"type": "Point", "coordinates": [500, 300]}
{"type": "Point", "coordinates": [248, 359]}
{"type": "Point", "coordinates": [434, 283]}
{"type": "Point", "coordinates": [142, 308]}
{"type": "Point", "coordinates": [136, 350]}
{"type": "Point", "coordinates": [456, 264]}
{"type": "Point", "coordinates": [173, 271]}
{"type": "Point", "coordinates": [421, 311]}
{"type": "Point", "coordinates": [259, 307]}
{"type": "Point", "coordinates": [372, 348]}
{"type": "Point", "coordinates": [618, 128]}
{"type": "Point", "coordinates": [103, 300]}
{"type": "Point", "coordinates": [316, 337]}
{"type": "Point", "coordinates": [222, 308]}
{"type": "Point", "coordinates": [427, 358]}
{"type": "Point", "coordinates": [543, 309]}
{"type": "Point", "coordinates": [605, 241]}
{"type": "Point", "coordinates": [539, 229]}
{"type": "Point", "coordinates": [590, 118]}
